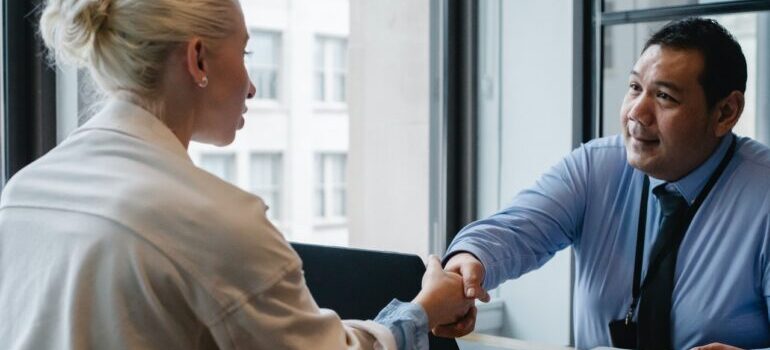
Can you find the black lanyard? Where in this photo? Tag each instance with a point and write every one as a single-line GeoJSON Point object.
{"type": "Point", "coordinates": [641, 227]}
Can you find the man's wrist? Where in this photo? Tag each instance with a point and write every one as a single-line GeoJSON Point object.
{"type": "Point", "coordinates": [452, 254]}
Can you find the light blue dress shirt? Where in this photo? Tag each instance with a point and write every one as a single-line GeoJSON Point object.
{"type": "Point", "coordinates": [408, 323]}
{"type": "Point", "coordinates": [590, 200]}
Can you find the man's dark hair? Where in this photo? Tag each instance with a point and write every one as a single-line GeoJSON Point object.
{"type": "Point", "coordinates": [724, 64]}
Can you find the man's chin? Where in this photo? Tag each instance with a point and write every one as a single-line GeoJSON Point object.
{"type": "Point", "coordinates": [641, 162]}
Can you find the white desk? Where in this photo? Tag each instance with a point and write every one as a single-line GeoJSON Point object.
{"type": "Point", "coordinates": [475, 341]}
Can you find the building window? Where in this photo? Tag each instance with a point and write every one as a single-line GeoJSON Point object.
{"type": "Point", "coordinates": [219, 164]}
{"type": "Point", "coordinates": [330, 189]}
{"type": "Point", "coordinates": [330, 69]}
{"type": "Point", "coordinates": [263, 60]}
{"type": "Point", "coordinates": [265, 181]}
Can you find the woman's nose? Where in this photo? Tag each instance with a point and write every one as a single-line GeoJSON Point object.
{"type": "Point", "coordinates": [252, 90]}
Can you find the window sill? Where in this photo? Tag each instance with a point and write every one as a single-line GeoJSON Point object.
{"type": "Point", "coordinates": [490, 316]}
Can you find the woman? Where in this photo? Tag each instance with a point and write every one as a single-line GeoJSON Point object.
{"type": "Point", "coordinates": [115, 240]}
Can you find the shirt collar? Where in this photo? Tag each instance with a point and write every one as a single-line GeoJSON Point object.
{"type": "Point", "coordinates": [129, 118]}
{"type": "Point", "coordinates": [690, 185]}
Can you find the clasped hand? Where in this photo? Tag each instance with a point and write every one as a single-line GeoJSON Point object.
{"type": "Point", "coordinates": [448, 295]}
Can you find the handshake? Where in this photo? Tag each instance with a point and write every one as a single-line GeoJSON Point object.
{"type": "Point", "coordinates": [448, 295]}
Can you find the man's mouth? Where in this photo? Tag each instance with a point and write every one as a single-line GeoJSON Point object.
{"type": "Point", "coordinates": [645, 139]}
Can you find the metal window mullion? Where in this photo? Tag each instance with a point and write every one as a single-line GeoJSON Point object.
{"type": "Point", "coordinates": [674, 12]}
{"type": "Point", "coordinates": [29, 89]}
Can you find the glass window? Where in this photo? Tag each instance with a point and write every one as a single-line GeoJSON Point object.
{"type": "Point", "coordinates": [300, 58]}
{"type": "Point", "coordinates": [263, 62]}
{"type": "Point", "coordinates": [627, 5]}
{"type": "Point", "coordinates": [330, 69]}
{"type": "Point", "coordinates": [221, 165]}
{"type": "Point", "coordinates": [330, 186]}
{"type": "Point", "coordinates": [265, 180]}
{"type": "Point", "coordinates": [623, 47]}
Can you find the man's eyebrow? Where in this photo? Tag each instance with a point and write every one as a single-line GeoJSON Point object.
{"type": "Point", "coordinates": [668, 84]}
{"type": "Point", "coordinates": [663, 83]}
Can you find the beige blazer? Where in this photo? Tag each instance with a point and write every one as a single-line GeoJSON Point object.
{"type": "Point", "coordinates": [116, 240]}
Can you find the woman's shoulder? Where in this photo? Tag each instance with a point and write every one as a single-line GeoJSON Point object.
{"type": "Point", "coordinates": [214, 231]}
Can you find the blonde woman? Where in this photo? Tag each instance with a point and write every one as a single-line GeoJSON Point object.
{"type": "Point", "coordinates": [115, 240]}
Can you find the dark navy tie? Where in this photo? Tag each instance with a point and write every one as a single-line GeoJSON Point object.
{"type": "Point", "coordinates": [654, 330]}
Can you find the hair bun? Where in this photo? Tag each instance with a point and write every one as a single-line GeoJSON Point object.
{"type": "Point", "coordinates": [94, 14]}
{"type": "Point", "coordinates": [71, 28]}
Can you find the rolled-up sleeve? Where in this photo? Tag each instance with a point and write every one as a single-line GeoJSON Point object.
{"type": "Point", "coordinates": [408, 323]}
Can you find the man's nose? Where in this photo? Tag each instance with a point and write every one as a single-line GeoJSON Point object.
{"type": "Point", "coordinates": [642, 110]}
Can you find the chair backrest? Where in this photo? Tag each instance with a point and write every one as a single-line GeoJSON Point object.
{"type": "Point", "coordinates": [358, 283]}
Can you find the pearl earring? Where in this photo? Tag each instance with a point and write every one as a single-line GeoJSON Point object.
{"type": "Point", "coordinates": [204, 82]}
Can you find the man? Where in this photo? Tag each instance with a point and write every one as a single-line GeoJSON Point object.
{"type": "Point", "coordinates": [703, 275]}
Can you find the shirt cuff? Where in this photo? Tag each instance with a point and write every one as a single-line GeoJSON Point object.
{"type": "Point", "coordinates": [408, 323]}
{"type": "Point", "coordinates": [491, 275]}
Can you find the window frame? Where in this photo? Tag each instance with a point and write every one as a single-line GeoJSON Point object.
{"type": "Point", "coordinates": [228, 155]}
{"type": "Point", "coordinates": [277, 188]}
{"type": "Point", "coordinates": [278, 55]}
{"type": "Point", "coordinates": [29, 89]}
{"type": "Point", "coordinates": [592, 37]}
{"type": "Point", "coordinates": [327, 185]}
{"type": "Point", "coordinates": [328, 71]}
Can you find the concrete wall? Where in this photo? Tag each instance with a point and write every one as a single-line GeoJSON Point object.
{"type": "Point", "coordinates": [389, 119]}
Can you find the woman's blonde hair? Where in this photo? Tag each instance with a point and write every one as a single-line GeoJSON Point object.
{"type": "Point", "coordinates": [124, 43]}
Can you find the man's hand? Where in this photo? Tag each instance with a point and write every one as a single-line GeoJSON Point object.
{"type": "Point", "coordinates": [715, 346]}
{"type": "Point", "coordinates": [472, 272]}
{"type": "Point", "coordinates": [470, 268]}
{"type": "Point", "coordinates": [442, 295]}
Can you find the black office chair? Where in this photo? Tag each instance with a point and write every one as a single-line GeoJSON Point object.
{"type": "Point", "coordinates": [358, 283]}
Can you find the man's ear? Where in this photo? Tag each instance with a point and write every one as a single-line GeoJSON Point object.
{"type": "Point", "coordinates": [728, 111]}
{"type": "Point", "coordinates": [196, 59]}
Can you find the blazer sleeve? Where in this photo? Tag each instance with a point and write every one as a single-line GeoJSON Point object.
{"type": "Point", "coordinates": [285, 316]}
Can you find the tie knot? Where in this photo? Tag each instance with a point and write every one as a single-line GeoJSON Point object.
{"type": "Point", "coordinates": [670, 201]}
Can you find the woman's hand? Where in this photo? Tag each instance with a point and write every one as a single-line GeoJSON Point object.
{"type": "Point", "coordinates": [442, 295]}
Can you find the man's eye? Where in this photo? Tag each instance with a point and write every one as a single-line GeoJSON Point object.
{"type": "Point", "coordinates": [665, 96]}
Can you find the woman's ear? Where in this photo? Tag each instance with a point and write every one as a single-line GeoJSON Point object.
{"type": "Point", "coordinates": [728, 112]}
{"type": "Point", "coordinates": [196, 61]}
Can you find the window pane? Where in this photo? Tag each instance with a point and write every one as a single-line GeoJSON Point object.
{"type": "Point", "coordinates": [339, 88]}
{"type": "Point", "coordinates": [309, 41]}
{"type": "Point", "coordinates": [320, 202]}
{"type": "Point", "coordinates": [221, 165]}
{"type": "Point", "coordinates": [262, 48]}
{"type": "Point", "coordinates": [751, 30]}
{"type": "Point", "coordinates": [338, 50]}
{"type": "Point", "coordinates": [319, 65]}
{"type": "Point", "coordinates": [319, 54]}
{"type": "Point", "coordinates": [265, 81]}
{"type": "Point", "coordinates": [263, 62]}
{"type": "Point", "coordinates": [626, 5]}
{"type": "Point", "coordinates": [266, 181]}
{"type": "Point", "coordinates": [320, 86]}
{"type": "Point", "coordinates": [339, 202]}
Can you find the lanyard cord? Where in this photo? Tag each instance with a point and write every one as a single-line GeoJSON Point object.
{"type": "Point", "coordinates": [641, 228]}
